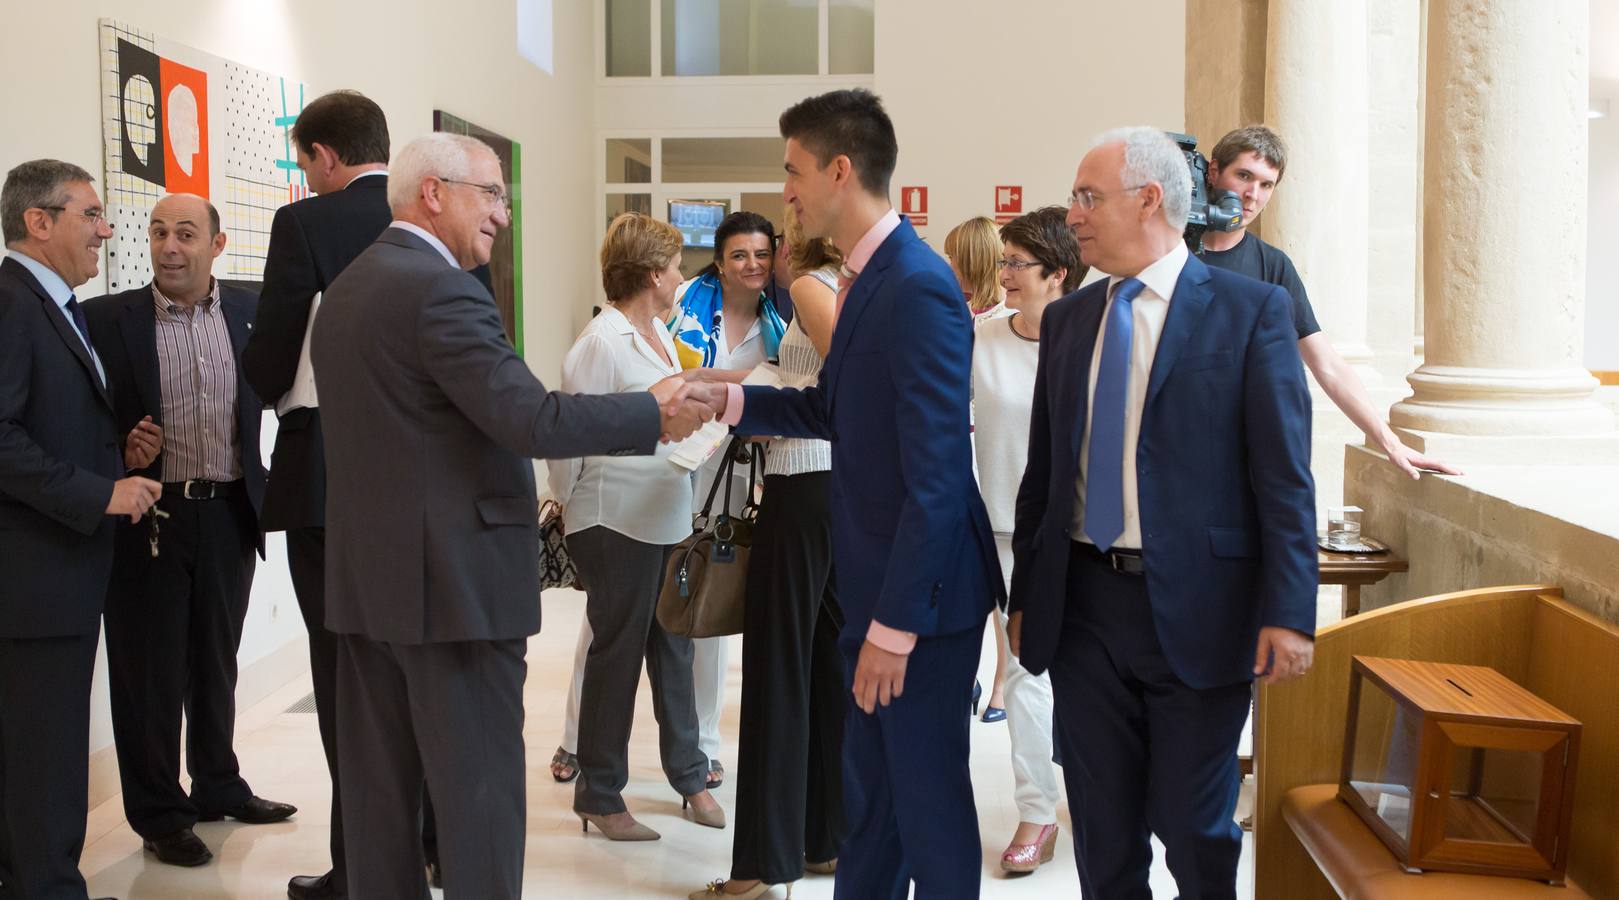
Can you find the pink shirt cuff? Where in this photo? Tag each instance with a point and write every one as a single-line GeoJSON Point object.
{"type": "Point", "coordinates": [733, 405]}
{"type": "Point", "coordinates": [891, 639]}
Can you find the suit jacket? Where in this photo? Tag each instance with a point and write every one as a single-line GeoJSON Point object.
{"type": "Point", "coordinates": [311, 243]}
{"type": "Point", "coordinates": [432, 529]}
{"type": "Point", "coordinates": [1224, 489]}
{"type": "Point", "coordinates": [59, 457]}
{"type": "Point", "coordinates": [123, 327]}
{"type": "Point", "coordinates": [910, 535]}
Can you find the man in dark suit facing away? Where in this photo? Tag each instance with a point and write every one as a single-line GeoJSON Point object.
{"type": "Point", "coordinates": [1164, 548]}
{"type": "Point", "coordinates": [433, 576]}
{"type": "Point", "coordinates": [341, 142]}
{"type": "Point", "coordinates": [61, 482]}
{"type": "Point", "coordinates": [180, 584]}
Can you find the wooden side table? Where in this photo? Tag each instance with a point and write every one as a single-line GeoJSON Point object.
{"type": "Point", "coordinates": [1355, 570]}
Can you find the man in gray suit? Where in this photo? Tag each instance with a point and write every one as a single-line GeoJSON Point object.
{"type": "Point", "coordinates": [432, 573]}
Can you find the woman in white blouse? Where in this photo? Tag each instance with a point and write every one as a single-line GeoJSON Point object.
{"type": "Point", "coordinates": [623, 514]}
{"type": "Point", "coordinates": [1039, 263]}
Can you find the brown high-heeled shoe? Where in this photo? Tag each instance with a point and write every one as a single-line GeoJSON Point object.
{"type": "Point", "coordinates": [713, 818]}
{"type": "Point", "coordinates": [634, 831]}
{"type": "Point", "coordinates": [1022, 858]}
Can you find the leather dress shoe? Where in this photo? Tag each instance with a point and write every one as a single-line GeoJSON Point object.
{"type": "Point", "coordinates": [315, 887]}
{"type": "Point", "coordinates": [179, 848]}
{"type": "Point", "coordinates": [253, 811]}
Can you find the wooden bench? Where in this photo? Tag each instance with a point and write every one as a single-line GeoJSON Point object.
{"type": "Point", "coordinates": [1308, 845]}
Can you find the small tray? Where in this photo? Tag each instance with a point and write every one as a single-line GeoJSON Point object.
{"type": "Point", "coordinates": [1364, 545]}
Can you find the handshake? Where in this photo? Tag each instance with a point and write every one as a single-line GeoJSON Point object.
{"type": "Point", "coordinates": [685, 404]}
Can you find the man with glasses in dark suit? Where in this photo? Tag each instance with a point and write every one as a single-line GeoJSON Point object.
{"type": "Point", "coordinates": [61, 482]}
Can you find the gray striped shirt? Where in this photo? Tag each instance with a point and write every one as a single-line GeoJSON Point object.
{"type": "Point", "coordinates": [197, 374]}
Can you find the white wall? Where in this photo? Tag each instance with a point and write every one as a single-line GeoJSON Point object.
{"type": "Point", "coordinates": [987, 94]}
{"type": "Point", "coordinates": [411, 56]}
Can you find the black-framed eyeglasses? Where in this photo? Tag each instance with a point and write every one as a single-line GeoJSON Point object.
{"type": "Point", "coordinates": [494, 192]}
{"type": "Point", "coordinates": [95, 214]}
{"type": "Point", "coordinates": [1086, 199]}
{"type": "Point", "coordinates": [1016, 265]}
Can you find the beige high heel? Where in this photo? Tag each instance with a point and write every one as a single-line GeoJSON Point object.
{"type": "Point", "coordinates": [714, 818]}
{"type": "Point", "coordinates": [716, 888]}
{"type": "Point", "coordinates": [635, 831]}
{"type": "Point", "coordinates": [830, 867]}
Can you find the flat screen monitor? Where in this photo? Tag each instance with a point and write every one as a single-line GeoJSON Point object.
{"type": "Point", "coordinates": [697, 219]}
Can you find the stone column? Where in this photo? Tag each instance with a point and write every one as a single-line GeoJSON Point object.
{"type": "Point", "coordinates": [1316, 99]}
{"type": "Point", "coordinates": [1225, 67]}
{"type": "Point", "coordinates": [1504, 230]}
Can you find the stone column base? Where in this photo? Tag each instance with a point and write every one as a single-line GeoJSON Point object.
{"type": "Point", "coordinates": [1472, 401]}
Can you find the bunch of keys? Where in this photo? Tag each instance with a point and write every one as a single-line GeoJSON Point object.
{"type": "Point", "coordinates": [153, 515]}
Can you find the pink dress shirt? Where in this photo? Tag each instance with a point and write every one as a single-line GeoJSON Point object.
{"type": "Point", "coordinates": [891, 639]}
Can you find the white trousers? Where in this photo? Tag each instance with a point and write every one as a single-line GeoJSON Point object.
{"type": "Point", "coordinates": [708, 677]}
{"type": "Point", "coordinates": [1036, 787]}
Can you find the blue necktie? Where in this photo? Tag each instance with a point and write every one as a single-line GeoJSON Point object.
{"type": "Point", "coordinates": [1104, 468]}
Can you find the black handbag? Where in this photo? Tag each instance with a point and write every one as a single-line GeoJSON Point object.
{"type": "Point", "coordinates": [705, 580]}
{"type": "Point", "coordinates": [556, 566]}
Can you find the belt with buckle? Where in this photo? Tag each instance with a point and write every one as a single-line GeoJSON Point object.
{"type": "Point", "coordinates": [200, 488]}
{"type": "Point", "coordinates": [1125, 562]}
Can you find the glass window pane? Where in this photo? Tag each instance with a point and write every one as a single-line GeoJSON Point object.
{"type": "Point", "coordinates": [850, 44]}
{"type": "Point", "coordinates": [723, 160]}
{"type": "Point", "coordinates": [1383, 767]}
{"type": "Point", "coordinates": [741, 37]}
{"type": "Point", "coordinates": [629, 160]}
{"type": "Point", "coordinates": [629, 38]}
{"type": "Point", "coordinates": [623, 203]}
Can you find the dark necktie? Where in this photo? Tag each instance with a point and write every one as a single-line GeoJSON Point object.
{"type": "Point", "coordinates": [77, 315]}
{"type": "Point", "coordinates": [1104, 469]}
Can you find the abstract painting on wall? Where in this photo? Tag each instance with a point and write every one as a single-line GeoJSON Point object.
{"type": "Point", "coordinates": [175, 119]}
{"type": "Point", "coordinates": [506, 262]}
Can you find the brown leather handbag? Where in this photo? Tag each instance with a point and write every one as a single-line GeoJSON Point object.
{"type": "Point", "coordinates": [705, 580]}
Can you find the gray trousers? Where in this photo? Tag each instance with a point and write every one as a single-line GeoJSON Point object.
{"type": "Point", "coordinates": [622, 577]}
{"type": "Point", "coordinates": [452, 712]}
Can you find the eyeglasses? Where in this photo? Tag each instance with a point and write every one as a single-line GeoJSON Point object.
{"type": "Point", "coordinates": [95, 214]}
{"type": "Point", "coordinates": [1086, 199]}
{"type": "Point", "coordinates": [1016, 265]}
{"type": "Point", "coordinates": [494, 192]}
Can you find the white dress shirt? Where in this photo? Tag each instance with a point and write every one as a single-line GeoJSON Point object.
{"type": "Point", "coordinates": [645, 498]}
{"type": "Point", "coordinates": [1149, 309]}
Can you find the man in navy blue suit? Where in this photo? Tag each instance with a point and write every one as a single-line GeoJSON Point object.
{"type": "Point", "coordinates": [916, 562]}
{"type": "Point", "coordinates": [1164, 552]}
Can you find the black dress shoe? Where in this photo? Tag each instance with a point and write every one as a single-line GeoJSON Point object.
{"type": "Point", "coordinates": [254, 811]}
{"type": "Point", "coordinates": [181, 848]}
{"type": "Point", "coordinates": [315, 887]}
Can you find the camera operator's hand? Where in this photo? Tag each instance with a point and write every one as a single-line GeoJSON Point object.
{"type": "Point", "coordinates": [1414, 464]}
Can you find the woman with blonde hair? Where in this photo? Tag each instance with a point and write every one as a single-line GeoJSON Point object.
{"type": "Point", "coordinates": [789, 801]}
{"type": "Point", "coordinates": [974, 251]}
{"type": "Point", "coordinates": [623, 515]}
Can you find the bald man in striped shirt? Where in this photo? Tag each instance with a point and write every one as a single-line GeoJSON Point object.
{"type": "Point", "coordinates": [179, 591]}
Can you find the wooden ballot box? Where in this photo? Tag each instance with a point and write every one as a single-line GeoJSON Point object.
{"type": "Point", "coordinates": [1459, 769]}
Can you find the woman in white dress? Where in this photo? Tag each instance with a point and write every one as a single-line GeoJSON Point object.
{"type": "Point", "coordinates": [1039, 263]}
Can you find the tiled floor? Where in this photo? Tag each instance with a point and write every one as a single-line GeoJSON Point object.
{"type": "Point", "coordinates": [281, 757]}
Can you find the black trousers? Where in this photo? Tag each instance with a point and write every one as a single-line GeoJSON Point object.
{"type": "Point", "coordinates": [174, 624]}
{"type": "Point", "coordinates": [621, 577]}
{"type": "Point", "coordinates": [306, 560]}
{"type": "Point", "coordinates": [789, 795]}
{"type": "Point", "coordinates": [449, 712]}
{"type": "Point", "coordinates": [44, 764]}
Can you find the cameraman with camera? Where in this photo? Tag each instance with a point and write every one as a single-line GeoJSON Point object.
{"type": "Point", "coordinates": [1249, 163]}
